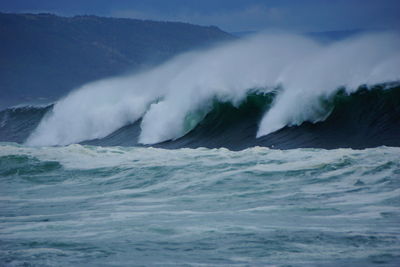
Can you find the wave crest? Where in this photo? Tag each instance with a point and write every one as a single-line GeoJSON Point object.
{"type": "Point", "coordinates": [170, 97]}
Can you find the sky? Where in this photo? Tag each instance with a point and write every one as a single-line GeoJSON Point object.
{"type": "Point", "coordinates": [232, 15]}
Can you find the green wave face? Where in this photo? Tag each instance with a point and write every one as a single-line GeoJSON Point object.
{"type": "Point", "coordinates": [368, 117]}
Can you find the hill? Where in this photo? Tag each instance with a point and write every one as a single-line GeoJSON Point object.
{"type": "Point", "coordinates": [45, 56]}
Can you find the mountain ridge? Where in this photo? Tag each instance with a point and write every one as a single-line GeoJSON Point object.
{"type": "Point", "coordinates": [45, 55]}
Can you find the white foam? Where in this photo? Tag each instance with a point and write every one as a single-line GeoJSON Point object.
{"type": "Point", "coordinates": [165, 96]}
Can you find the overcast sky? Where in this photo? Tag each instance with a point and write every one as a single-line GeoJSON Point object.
{"type": "Point", "coordinates": [233, 15]}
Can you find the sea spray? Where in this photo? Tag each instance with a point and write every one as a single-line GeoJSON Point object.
{"type": "Point", "coordinates": [305, 70]}
{"type": "Point", "coordinates": [368, 59]}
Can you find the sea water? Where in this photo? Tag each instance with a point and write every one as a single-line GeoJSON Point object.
{"type": "Point", "coordinates": [119, 206]}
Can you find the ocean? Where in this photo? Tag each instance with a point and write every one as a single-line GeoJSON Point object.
{"type": "Point", "coordinates": [117, 206]}
{"type": "Point", "coordinates": [274, 150]}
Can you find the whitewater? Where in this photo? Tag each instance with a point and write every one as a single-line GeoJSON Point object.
{"type": "Point", "coordinates": [274, 150]}
{"type": "Point", "coordinates": [171, 99]}
{"type": "Point", "coordinates": [120, 206]}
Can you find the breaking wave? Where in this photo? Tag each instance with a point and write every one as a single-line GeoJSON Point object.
{"type": "Point", "coordinates": [295, 78]}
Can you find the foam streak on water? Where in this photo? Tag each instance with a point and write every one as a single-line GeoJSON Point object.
{"type": "Point", "coordinates": [81, 205]}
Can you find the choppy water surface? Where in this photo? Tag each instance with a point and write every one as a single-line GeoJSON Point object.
{"type": "Point", "coordinates": [82, 206]}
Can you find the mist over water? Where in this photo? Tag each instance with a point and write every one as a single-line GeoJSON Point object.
{"type": "Point", "coordinates": [172, 98]}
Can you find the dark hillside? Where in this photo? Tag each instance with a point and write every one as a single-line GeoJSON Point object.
{"type": "Point", "coordinates": [43, 55]}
